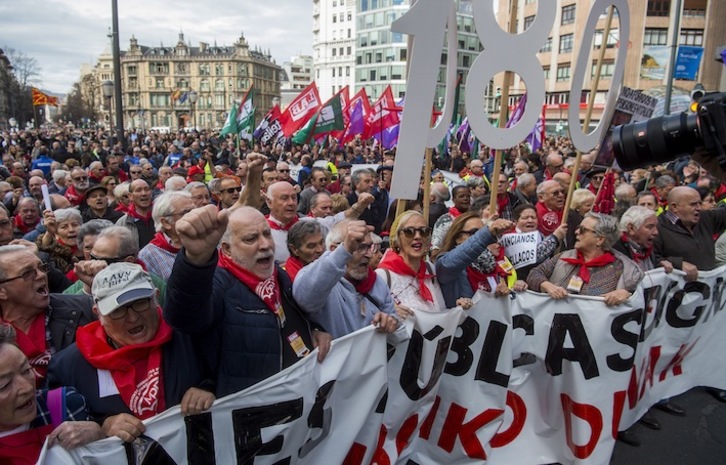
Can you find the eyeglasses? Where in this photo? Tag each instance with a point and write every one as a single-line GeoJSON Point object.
{"type": "Point", "coordinates": [410, 232]}
{"type": "Point", "coordinates": [135, 172]}
{"type": "Point", "coordinates": [558, 192]}
{"type": "Point", "coordinates": [582, 230]}
{"type": "Point", "coordinates": [179, 214]}
{"type": "Point", "coordinates": [364, 249]}
{"type": "Point", "coordinates": [80, 178]}
{"type": "Point", "coordinates": [29, 274]}
{"type": "Point", "coordinates": [469, 232]}
{"type": "Point", "coordinates": [283, 171]}
{"type": "Point", "coordinates": [109, 260]}
{"type": "Point", "coordinates": [232, 190]}
{"type": "Point", "coordinates": [139, 306]}
{"type": "Point", "coordinates": [598, 178]}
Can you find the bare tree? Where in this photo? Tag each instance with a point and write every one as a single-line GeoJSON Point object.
{"type": "Point", "coordinates": [26, 68]}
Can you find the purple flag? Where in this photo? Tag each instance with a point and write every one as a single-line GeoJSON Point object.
{"type": "Point", "coordinates": [534, 139]}
{"type": "Point", "coordinates": [388, 138]}
{"type": "Point", "coordinates": [518, 112]}
{"type": "Point", "coordinates": [356, 125]}
{"type": "Point", "coordinates": [723, 56]}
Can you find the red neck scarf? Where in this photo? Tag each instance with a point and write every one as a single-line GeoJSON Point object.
{"type": "Point", "coordinates": [502, 201]}
{"type": "Point", "coordinates": [394, 262]}
{"type": "Point", "coordinates": [584, 273]}
{"type": "Point", "coordinates": [365, 285]}
{"type": "Point", "coordinates": [547, 220]}
{"type": "Point", "coordinates": [278, 226]}
{"type": "Point", "coordinates": [292, 266]}
{"type": "Point", "coordinates": [135, 214]}
{"type": "Point", "coordinates": [24, 448]}
{"type": "Point", "coordinates": [136, 369]}
{"type": "Point", "coordinates": [34, 346]}
{"type": "Point", "coordinates": [121, 208]}
{"type": "Point", "coordinates": [74, 248]}
{"type": "Point", "coordinates": [267, 290]}
{"type": "Point", "coordinates": [454, 212]}
{"type": "Point", "coordinates": [22, 227]}
{"type": "Point", "coordinates": [161, 242]}
{"type": "Point", "coordinates": [478, 279]}
{"type": "Point", "coordinates": [637, 252]}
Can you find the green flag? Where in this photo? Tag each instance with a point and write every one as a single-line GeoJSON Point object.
{"type": "Point", "coordinates": [331, 117]}
{"type": "Point", "coordinates": [230, 126]}
{"type": "Point", "coordinates": [304, 134]}
{"type": "Point", "coordinates": [246, 116]}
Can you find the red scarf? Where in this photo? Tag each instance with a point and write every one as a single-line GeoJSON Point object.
{"type": "Point", "coordinates": [547, 220]}
{"type": "Point", "coordinates": [134, 214]}
{"type": "Point", "coordinates": [34, 346]}
{"type": "Point", "coordinates": [276, 225]}
{"type": "Point", "coordinates": [160, 241]}
{"type": "Point", "coordinates": [22, 227]}
{"type": "Point", "coordinates": [478, 279]}
{"type": "Point", "coordinates": [502, 201]}
{"type": "Point", "coordinates": [454, 212]}
{"type": "Point", "coordinates": [267, 290]}
{"type": "Point", "coordinates": [74, 248]}
{"type": "Point", "coordinates": [136, 369]}
{"type": "Point", "coordinates": [74, 197]}
{"type": "Point", "coordinates": [584, 273]}
{"type": "Point", "coordinates": [121, 208]}
{"type": "Point", "coordinates": [365, 285]}
{"type": "Point", "coordinates": [292, 266]}
{"type": "Point", "coordinates": [635, 250]}
{"type": "Point", "coordinates": [24, 448]}
{"type": "Point", "coordinates": [394, 262]}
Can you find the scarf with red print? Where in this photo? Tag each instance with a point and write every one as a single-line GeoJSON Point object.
{"type": "Point", "coordinates": [276, 225]}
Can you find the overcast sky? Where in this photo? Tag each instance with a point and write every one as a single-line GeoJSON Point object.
{"type": "Point", "coordinates": [63, 34]}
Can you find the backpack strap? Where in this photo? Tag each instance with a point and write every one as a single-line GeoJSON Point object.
{"type": "Point", "coordinates": [431, 271]}
{"type": "Point", "coordinates": [56, 400]}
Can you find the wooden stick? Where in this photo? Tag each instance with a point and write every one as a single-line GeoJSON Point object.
{"type": "Point", "coordinates": [427, 184]}
{"type": "Point", "coordinates": [503, 114]}
{"type": "Point", "coordinates": [588, 113]}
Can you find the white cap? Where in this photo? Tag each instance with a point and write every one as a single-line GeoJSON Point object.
{"type": "Point", "coordinates": [119, 284]}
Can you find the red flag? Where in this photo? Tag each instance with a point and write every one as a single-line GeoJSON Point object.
{"type": "Point", "coordinates": [300, 110]}
{"type": "Point", "coordinates": [40, 98]}
{"type": "Point", "coordinates": [384, 114]}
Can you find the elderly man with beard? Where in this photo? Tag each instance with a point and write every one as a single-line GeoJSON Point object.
{"type": "Point", "coordinates": [130, 365]}
{"type": "Point", "coordinates": [340, 290]}
{"type": "Point", "coordinates": [76, 192]}
{"type": "Point", "coordinates": [45, 323]}
{"type": "Point", "coordinates": [236, 302]}
{"type": "Point", "coordinates": [98, 209]}
{"type": "Point", "coordinates": [138, 217]}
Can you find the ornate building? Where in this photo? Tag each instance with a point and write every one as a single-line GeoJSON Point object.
{"type": "Point", "coordinates": [159, 84]}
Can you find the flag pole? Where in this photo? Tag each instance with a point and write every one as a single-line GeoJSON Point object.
{"type": "Point", "coordinates": [503, 107]}
{"type": "Point", "coordinates": [588, 113]}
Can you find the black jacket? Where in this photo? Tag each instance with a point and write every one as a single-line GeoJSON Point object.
{"type": "Point", "coordinates": [237, 336]}
{"type": "Point", "coordinates": [67, 313]}
{"type": "Point", "coordinates": [676, 244]}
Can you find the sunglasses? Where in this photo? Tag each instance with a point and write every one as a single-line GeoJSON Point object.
{"type": "Point", "coordinates": [232, 190]}
{"type": "Point", "coordinates": [410, 232]}
{"type": "Point", "coordinates": [470, 232]}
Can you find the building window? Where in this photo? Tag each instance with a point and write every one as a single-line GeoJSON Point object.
{"type": "Point", "coordinates": [563, 72]}
{"type": "Point", "coordinates": [528, 21]}
{"type": "Point", "coordinates": [658, 8]}
{"type": "Point", "coordinates": [333, 70]}
{"type": "Point", "coordinates": [335, 51]}
{"type": "Point", "coordinates": [219, 85]}
{"type": "Point", "coordinates": [159, 68]}
{"type": "Point", "coordinates": [606, 71]}
{"type": "Point", "coordinates": [568, 14]}
{"type": "Point", "coordinates": [347, 71]}
{"type": "Point", "coordinates": [655, 36]}
{"type": "Point", "coordinates": [613, 39]}
{"type": "Point", "coordinates": [546, 72]}
{"type": "Point", "coordinates": [204, 85]}
{"type": "Point", "coordinates": [691, 37]}
{"type": "Point", "coordinates": [566, 41]}
{"type": "Point", "coordinates": [204, 69]}
{"type": "Point", "coordinates": [219, 69]}
{"type": "Point", "coordinates": [131, 70]}
{"type": "Point", "coordinates": [547, 47]}
{"type": "Point", "coordinates": [335, 18]}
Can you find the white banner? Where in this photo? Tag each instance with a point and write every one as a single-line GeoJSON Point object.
{"type": "Point", "coordinates": [526, 380]}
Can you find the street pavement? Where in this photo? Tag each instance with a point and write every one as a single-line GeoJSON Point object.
{"type": "Point", "coordinates": [699, 438]}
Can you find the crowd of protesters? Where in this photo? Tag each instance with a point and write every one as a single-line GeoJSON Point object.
{"type": "Point", "coordinates": [185, 267]}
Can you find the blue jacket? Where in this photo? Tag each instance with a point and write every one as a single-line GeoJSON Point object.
{"type": "Point", "coordinates": [451, 266]}
{"type": "Point", "coordinates": [238, 337]}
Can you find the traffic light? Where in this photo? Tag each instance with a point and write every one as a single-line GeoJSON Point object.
{"type": "Point", "coordinates": [696, 94]}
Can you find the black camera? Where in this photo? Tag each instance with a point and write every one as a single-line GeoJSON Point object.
{"type": "Point", "coordinates": [665, 138]}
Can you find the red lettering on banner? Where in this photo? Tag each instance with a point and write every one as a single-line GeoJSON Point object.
{"type": "Point", "coordinates": [519, 411]}
{"type": "Point", "coordinates": [454, 427]}
{"type": "Point", "coordinates": [588, 413]}
{"type": "Point", "coordinates": [404, 434]}
{"type": "Point", "coordinates": [675, 363]}
{"type": "Point", "coordinates": [636, 390]}
{"type": "Point", "coordinates": [380, 457]}
{"type": "Point", "coordinates": [618, 404]}
{"type": "Point", "coordinates": [428, 423]}
{"type": "Point", "coordinates": [355, 454]}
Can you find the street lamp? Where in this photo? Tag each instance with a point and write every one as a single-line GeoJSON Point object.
{"type": "Point", "coordinates": [13, 124]}
{"type": "Point", "coordinates": [193, 101]}
{"type": "Point", "coordinates": [107, 91]}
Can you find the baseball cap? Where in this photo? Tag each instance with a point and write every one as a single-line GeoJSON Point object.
{"type": "Point", "coordinates": [119, 284]}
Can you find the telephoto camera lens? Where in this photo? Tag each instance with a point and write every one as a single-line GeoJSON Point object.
{"type": "Point", "coordinates": [657, 140]}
